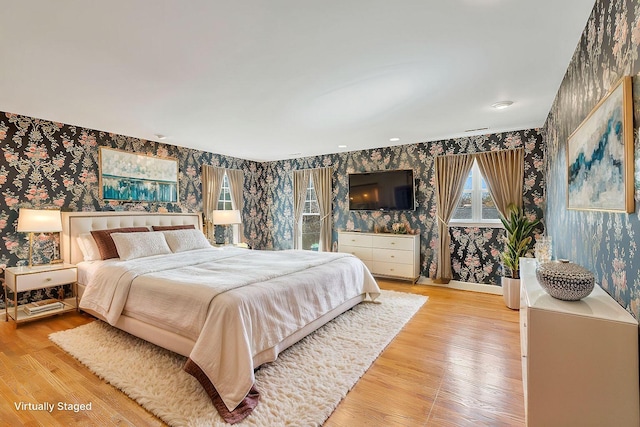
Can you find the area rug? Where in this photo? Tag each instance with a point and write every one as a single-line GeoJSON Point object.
{"type": "Point", "coordinates": [302, 387]}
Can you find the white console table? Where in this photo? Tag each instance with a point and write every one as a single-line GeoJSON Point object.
{"type": "Point", "coordinates": [579, 358]}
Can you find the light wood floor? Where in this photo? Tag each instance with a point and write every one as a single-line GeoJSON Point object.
{"type": "Point", "coordinates": [456, 363]}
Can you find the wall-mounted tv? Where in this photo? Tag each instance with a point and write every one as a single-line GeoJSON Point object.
{"type": "Point", "coordinates": [389, 190]}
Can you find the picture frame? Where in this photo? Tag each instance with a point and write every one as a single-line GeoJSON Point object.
{"type": "Point", "coordinates": [600, 164]}
{"type": "Point", "coordinates": [132, 177]}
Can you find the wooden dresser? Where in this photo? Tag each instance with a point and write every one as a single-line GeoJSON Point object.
{"type": "Point", "coordinates": [579, 358]}
{"type": "Point", "coordinates": [388, 255]}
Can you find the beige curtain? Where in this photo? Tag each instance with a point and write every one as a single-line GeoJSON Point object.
{"type": "Point", "coordinates": [322, 185]}
{"type": "Point", "coordinates": [212, 178]}
{"type": "Point", "coordinates": [300, 184]}
{"type": "Point", "coordinates": [451, 173]}
{"type": "Point", "coordinates": [503, 171]}
{"type": "Point", "coordinates": [236, 187]}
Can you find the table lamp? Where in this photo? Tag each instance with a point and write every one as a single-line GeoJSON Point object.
{"type": "Point", "coordinates": [226, 217]}
{"type": "Point", "coordinates": [38, 221]}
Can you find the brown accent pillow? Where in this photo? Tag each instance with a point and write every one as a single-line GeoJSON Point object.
{"type": "Point", "coordinates": [105, 243]}
{"type": "Point", "coordinates": [173, 227]}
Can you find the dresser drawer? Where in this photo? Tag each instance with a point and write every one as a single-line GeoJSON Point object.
{"type": "Point", "coordinates": [369, 264]}
{"type": "Point", "coordinates": [392, 269]}
{"type": "Point", "coordinates": [361, 252]}
{"type": "Point", "coordinates": [354, 239]}
{"type": "Point", "coordinates": [40, 280]}
{"type": "Point", "coordinates": [393, 242]}
{"type": "Point", "coordinates": [393, 256]}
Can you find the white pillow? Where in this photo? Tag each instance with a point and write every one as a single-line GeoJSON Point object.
{"type": "Point", "coordinates": [88, 247]}
{"type": "Point", "coordinates": [186, 240]}
{"type": "Point", "coordinates": [139, 245]}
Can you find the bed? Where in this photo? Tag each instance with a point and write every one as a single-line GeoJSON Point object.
{"type": "Point", "coordinates": [228, 310]}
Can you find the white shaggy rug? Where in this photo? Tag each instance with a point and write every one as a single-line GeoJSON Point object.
{"type": "Point", "coordinates": [302, 387]}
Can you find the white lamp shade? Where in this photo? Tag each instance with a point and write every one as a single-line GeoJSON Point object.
{"type": "Point", "coordinates": [226, 217]}
{"type": "Point", "coordinates": [39, 221]}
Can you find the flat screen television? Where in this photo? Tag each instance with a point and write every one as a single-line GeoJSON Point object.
{"type": "Point", "coordinates": [389, 190]}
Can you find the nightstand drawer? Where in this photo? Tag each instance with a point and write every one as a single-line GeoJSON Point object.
{"type": "Point", "coordinates": [40, 280]}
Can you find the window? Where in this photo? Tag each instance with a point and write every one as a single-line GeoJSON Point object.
{"type": "Point", "coordinates": [476, 205]}
{"type": "Point", "coordinates": [225, 204]}
{"type": "Point", "coordinates": [310, 220]}
{"type": "Point", "coordinates": [224, 201]}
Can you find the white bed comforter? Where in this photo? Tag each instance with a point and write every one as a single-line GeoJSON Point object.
{"type": "Point", "coordinates": [248, 301]}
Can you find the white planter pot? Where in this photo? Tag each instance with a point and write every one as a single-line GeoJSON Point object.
{"type": "Point", "coordinates": [511, 292]}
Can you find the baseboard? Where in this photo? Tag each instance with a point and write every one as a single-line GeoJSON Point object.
{"type": "Point", "coordinates": [464, 286]}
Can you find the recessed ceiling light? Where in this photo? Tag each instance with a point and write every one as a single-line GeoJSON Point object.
{"type": "Point", "coordinates": [394, 139]}
{"type": "Point", "coordinates": [501, 104]}
{"type": "Point", "coordinates": [160, 136]}
{"type": "Point", "coordinates": [342, 146]}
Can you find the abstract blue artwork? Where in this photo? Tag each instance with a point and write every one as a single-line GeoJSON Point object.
{"type": "Point", "coordinates": [136, 177]}
{"type": "Point", "coordinates": [600, 155]}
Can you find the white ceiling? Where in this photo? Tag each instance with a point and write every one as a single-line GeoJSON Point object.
{"type": "Point", "coordinates": [270, 80]}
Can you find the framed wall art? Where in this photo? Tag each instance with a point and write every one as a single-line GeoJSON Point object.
{"type": "Point", "coordinates": [600, 155]}
{"type": "Point", "coordinates": [135, 177]}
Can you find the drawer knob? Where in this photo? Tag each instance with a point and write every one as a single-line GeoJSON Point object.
{"type": "Point", "coordinates": [48, 279]}
{"type": "Point", "coordinates": [393, 256]}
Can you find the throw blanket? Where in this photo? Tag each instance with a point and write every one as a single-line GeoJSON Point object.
{"type": "Point", "coordinates": [236, 304]}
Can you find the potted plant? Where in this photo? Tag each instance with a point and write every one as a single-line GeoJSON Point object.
{"type": "Point", "coordinates": [517, 243]}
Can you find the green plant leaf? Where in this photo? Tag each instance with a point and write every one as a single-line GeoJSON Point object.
{"type": "Point", "coordinates": [518, 239]}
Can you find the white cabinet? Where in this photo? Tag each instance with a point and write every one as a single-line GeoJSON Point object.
{"type": "Point", "coordinates": [579, 358]}
{"type": "Point", "coordinates": [388, 255]}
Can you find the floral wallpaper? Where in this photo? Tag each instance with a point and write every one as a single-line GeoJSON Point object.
{"type": "Point", "coordinates": [475, 251]}
{"type": "Point", "coordinates": [46, 164]}
{"type": "Point", "coordinates": [49, 164]}
{"type": "Point", "coordinates": [603, 242]}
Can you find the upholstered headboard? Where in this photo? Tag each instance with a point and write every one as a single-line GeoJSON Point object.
{"type": "Point", "coordinates": [76, 223]}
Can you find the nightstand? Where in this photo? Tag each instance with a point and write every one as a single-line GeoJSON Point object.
{"type": "Point", "coordinates": [20, 279]}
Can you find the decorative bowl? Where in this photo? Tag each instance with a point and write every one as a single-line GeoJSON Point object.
{"type": "Point", "coordinates": [565, 280]}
